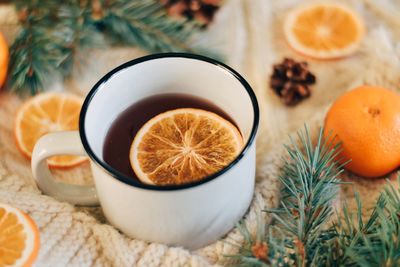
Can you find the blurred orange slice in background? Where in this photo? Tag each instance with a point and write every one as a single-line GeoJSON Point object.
{"type": "Point", "coordinates": [45, 113]}
{"type": "Point", "coordinates": [324, 30]}
{"type": "Point", "coordinates": [4, 58]}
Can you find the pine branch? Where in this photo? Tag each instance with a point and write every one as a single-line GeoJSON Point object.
{"type": "Point", "coordinates": [375, 241]}
{"type": "Point", "coordinates": [76, 32]}
{"type": "Point", "coordinates": [146, 24]}
{"type": "Point", "coordinates": [34, 55]}
{"type": "Point", "coordinates": [52, 33]}
{"type": "Point", "coordinates": [310, 185]}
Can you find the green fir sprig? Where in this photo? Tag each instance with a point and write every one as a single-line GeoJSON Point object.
{"type": "Point", "coordinates": [307, 230]}
{"type": "Point", "coordinates": [146, 24]}
{"type": "Point", "coordinates": [374, 241]}
{"type": "Point", "coordinates": [34, 54]}
{"type": "Point", "coordinates": [52, 32]}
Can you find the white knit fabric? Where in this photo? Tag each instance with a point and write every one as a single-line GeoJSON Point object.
{"type": "Point", "coordinates": [249, 33]}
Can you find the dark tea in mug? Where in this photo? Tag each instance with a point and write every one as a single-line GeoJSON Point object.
{"type": "Point", "coordinates": [124, 128]}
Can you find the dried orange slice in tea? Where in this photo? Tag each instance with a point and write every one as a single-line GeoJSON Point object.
{"type": "Point", "coordinates": [19, 237]}
{"type": "Point", "coordinates": [45, 113]}
{"type": "Point", "coordinates": [324, 30]}
{"type": "Point", "coordinates": [182, 146]}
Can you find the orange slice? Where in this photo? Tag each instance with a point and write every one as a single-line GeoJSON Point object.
{"type": "Point", "coordinates": [19, 237]}
{"type": "Point", "coordinates": [182, 146]}
{"type": "Point", "coordinates": [47, 113]}
{"type": "Point", "coordinates": [324, 30]}
{"type": "Point", "coordinates": [4, 57]}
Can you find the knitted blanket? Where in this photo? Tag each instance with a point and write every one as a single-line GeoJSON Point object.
{"type": "Point", "coordinates": [253, 41]}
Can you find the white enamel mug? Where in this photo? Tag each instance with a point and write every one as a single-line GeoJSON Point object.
{"type": "Point", "coordinates": [190, 215]}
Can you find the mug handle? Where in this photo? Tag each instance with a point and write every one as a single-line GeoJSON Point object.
{"type": "Point", "coordinates": [60, 143]}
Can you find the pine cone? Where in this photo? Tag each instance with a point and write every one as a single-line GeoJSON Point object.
{"type": "Point", "coordinates": [201, 10]}
{"type": "Point", "coordinates": [291, 81]}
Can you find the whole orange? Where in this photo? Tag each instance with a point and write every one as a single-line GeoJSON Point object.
{"type": "Point", "coordinates": [367, 122]}
{"type": "Point", "coordinates": [3, 59]}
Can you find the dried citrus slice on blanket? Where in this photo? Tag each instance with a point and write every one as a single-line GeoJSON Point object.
{"type": "Point", "coordinates": [19, 237]}
{"type": "Point", "coordinates": [324, 30]}
{"type": "Point", "coordinates": [45, 113]}
{"type": "Point", "coordinates": [182, 146]}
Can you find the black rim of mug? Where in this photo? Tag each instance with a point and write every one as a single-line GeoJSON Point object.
{"type": "Point", "coordinates": [130, 181]}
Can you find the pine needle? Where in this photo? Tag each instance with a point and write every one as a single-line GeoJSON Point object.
{"type": "Point", "coordinates": [309, 188]}
{"type": "Point", "coordinates": [52, 32]}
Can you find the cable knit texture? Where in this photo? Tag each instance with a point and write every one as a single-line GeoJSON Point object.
{"type": "Point", "coordinates": [79, 236]}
